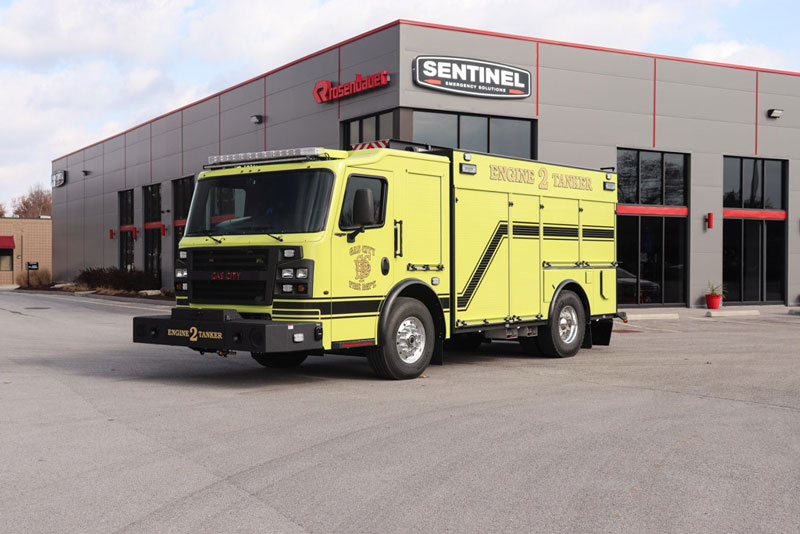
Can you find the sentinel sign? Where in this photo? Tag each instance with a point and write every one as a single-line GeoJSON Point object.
{"type": "Point", "coordinates": [471, 77]}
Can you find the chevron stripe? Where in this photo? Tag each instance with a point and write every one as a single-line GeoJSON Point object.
{"type": "Point", "coordinates": [465, 296]}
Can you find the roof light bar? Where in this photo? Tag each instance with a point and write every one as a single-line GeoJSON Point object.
{"type": "Point", "coordinates": [267, 154]}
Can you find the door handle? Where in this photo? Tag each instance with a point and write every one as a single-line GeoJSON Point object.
{"type": "Point", "coordinates": [398, 238]}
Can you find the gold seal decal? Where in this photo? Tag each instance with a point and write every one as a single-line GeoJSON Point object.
{"type": "Point", "coordinates": [362, 259]}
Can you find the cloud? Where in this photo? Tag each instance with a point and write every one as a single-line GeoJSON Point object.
{"type": "Point", "coordinates": [740, 53]}
{"type": "Point", "coordinates": [98, 67]}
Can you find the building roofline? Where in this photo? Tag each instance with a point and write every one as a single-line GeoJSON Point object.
{"type": "Point", "coordinates": [439, 27]}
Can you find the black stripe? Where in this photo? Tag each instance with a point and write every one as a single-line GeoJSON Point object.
{"type": "Point", "coordinates": [333, 308]}
{"type": "Point", "coordinates": [598, 233]}
{"type": "Point", "coordinates": [444, 302]}
{"type": "Point", "coordinates": [500, 232]}
{"type": "Point", "coordinates": [529, 230]}
{"type": "Point", "coordinates": [560, 231]}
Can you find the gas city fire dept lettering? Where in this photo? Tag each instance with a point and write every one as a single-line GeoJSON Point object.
{"type": "Point", "coordinates": [362, 257]}
{"type": "Point", "coordinates": [529, 176]}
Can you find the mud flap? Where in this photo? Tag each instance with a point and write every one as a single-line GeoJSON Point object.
{"type": "Point", "coordinates": [601, 331]}
{"type": "Point", "coordinates": [438, 352]}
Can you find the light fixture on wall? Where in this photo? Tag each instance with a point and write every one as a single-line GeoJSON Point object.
{"type": "Point", "coordinates": [256, 119]}
{"type": "Point", "coordinates": [774, 113]}
{"type": "Point", "coordinates": [85, 172]}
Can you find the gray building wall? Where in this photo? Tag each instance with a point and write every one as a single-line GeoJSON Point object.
{"type": "Point", "coordinates": [587, 103]}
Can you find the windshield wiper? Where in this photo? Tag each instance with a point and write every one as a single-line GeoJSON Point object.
{"type": "Point", "coordinates": [208, 233]}
{"type": "Point", "coordinates": [261, 230]}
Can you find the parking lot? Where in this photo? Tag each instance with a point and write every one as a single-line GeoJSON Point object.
{"type": "Point", "coordinates": [689, 425]}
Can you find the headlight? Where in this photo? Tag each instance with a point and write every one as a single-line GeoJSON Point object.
{"type": "Point", "coordinates": [287, 273]}
{"type": "Point", "coordinates": [182, 254]}
{"type": "Point", "coordinates": [287, 288]}
{"type": "Point", "coordinates": [302, 273]}
{"type": "Point", "coordinates": [181, 273]}
{"type": "Point", "coordinates": [288, 253]}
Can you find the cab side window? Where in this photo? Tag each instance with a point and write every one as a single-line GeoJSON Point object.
{"type": "Point", "coordinates": [354, 183]}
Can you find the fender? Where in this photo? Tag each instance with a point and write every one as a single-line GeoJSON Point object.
{"type": "Point", "coordinates": [580, 296]}
{"type": "Point", "coordinates": [438, 314]}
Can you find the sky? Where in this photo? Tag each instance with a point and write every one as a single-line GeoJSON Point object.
{"type": "Point", "coordinates": [72, 73]}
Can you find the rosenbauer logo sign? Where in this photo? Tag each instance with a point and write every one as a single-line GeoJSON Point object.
{"type": "Point", "coordinates": [471, 77]}
{"type": "Point", "coordinates": [325, 91]}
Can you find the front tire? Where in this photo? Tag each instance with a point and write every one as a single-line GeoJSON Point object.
{"type": "Point", "coordinates": [279, 360]}
{"type": "Point", "coordinates": [563, 335]}
{"type": "Point", "coordinates": [408, 338]}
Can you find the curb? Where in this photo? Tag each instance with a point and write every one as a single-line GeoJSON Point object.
{"type": "Point", "coordinates": [137, 300]}
{"type": "Point", "coordinates": [653, 317]}
{"type": "Point", "coordinates": [794, 312]}
{"type": "Point", "coordinates": [732, 313]}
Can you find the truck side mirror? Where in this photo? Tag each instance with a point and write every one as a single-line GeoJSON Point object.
{"type": "Point", "coordinates": [364, 208]}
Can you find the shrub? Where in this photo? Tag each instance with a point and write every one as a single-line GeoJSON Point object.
{"type": "Point", "coordinates": [40, 278]}
{"type": "Point", "coordinates": [115, 278]}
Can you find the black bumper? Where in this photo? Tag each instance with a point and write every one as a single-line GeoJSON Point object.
{"type": "Point", "coordinates": [213, 330]}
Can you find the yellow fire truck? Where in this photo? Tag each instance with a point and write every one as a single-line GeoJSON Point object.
{"type": "Point", "coordinates": [391, 254]}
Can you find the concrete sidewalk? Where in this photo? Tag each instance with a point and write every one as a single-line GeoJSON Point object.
{"type": "Point", "coordinates": [678, 313]}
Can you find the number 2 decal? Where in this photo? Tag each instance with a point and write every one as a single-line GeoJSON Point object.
{"type": "Point", "coordinates": [193, 333]}
{"type": "Point", "coordinates": [543, 175]}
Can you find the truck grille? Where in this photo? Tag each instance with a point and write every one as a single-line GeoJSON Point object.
{"type": "Point", "coordinates": [238, 259]}
{"type": "Point", "coordinates": [248, 292]}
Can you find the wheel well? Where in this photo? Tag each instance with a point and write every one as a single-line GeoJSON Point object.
{"type": "Point", "coordinates": [422, 293]}
{"type": "Point", "coordinates": [576, 288]}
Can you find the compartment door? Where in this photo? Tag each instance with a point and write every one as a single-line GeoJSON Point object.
{"type": "Point", "coordinates": [525, 266]}
{"type": "Point", "coordinates": [560, 230]}
{"type": "Point", "coordinates": [481, 257]}
{"type": "Point", "coordinates": [598, 232]}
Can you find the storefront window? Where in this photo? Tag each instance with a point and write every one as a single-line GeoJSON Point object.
{"type": "Point", "coordinates": [652, 178]}
{"type": "Point", "coordinates": [753, 183]}
{"type": "Point", "coordinates": [753, 260]}
{"type": "Point", "coordinates": [372, 128]}
{"type": "Point", "coordinates": [438, 129]}
{"type": "Point", "coordinates": [651, 253]}
{"type": "Point", "coordinates": [474, 133]}
{"type": "Point", "coordinates": [510, 137]}
{"type": "Point", "coordinates": [6, 260]}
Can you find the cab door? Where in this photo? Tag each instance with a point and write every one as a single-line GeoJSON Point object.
{"type": "Point", "coordinates": [360, 260]}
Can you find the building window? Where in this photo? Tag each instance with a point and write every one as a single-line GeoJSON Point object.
{"type": "Point", "coordinates": [371, 128]}
{"type": "Point", "coordinates": [6, 259]}
{"type": "Point", "coordinates": [649, 177]}
{"type": "Point", "coordinates": [152, 233]}
{"type": "Point", "coordinates": [754, 247]}
{"type": "Point", "coordinates": [182, 191]}
{"type": "Point", "coordinates": [652, 244]}
{"type": "Point", "coordinates": [126, 230]}
{"type": "Point", "coordinates": [651, 253]}
{"type": "Point", "coordinates": [496, 135]}
{"type": "Point", "coordinates": [753, 183]}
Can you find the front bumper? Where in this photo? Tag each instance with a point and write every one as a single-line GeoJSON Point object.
{"type": "Point", "coordinates": [214, 330]}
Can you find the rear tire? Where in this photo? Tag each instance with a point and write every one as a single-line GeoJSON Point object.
{"type": "Point", "coordinates": [279, 360]}
{"type": "Point", "coordinates": [562, 337]}
{"type": "Point", "coordinates": [408, 338]}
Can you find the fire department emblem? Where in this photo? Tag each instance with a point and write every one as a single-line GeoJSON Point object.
{"type": "Point", "coordinates": [362, 260]}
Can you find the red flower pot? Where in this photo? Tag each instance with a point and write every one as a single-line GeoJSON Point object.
{"type": "Point", "coordinates": [713, 302]}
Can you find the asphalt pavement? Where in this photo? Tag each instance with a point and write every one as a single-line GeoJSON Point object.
{"type": "Point", "coordinates": [688, 425]}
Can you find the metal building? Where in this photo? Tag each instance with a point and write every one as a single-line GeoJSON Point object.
{"type": "Point", "coordinates": [708, 154]}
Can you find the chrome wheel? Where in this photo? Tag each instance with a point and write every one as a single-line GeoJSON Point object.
{"type": "Point", "coordinates": [410, 340]}
{"type": "Point", "coordinates": [568, 324]}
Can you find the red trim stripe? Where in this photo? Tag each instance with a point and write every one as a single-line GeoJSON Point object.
{"type": "Point", "coordinates": [179, 222]}
{"type": "Point", "coordinates": [537, 79]}
{"type": "Point", "coordinates": [221, 218]}
{"type": "Point", "coordinates": [735, 213]}
{"type": "Point", "coordinates": [439, 27]}
{"type": "Point", "coordinates": [358, 344]}
{"type": "Point", "coordinates": [756, 149]}
{"type": "Point", "coordinates": [655, 82]}
{"type": "Point", "coordinates": [127, 228]}
{"type": "Point", "coordinates": [154, 225]}
{"type": "Point", "coordinates": [625, 209]}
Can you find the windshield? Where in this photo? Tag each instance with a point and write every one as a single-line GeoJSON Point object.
{"type": "Point", "coordinates": [269, 202]}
